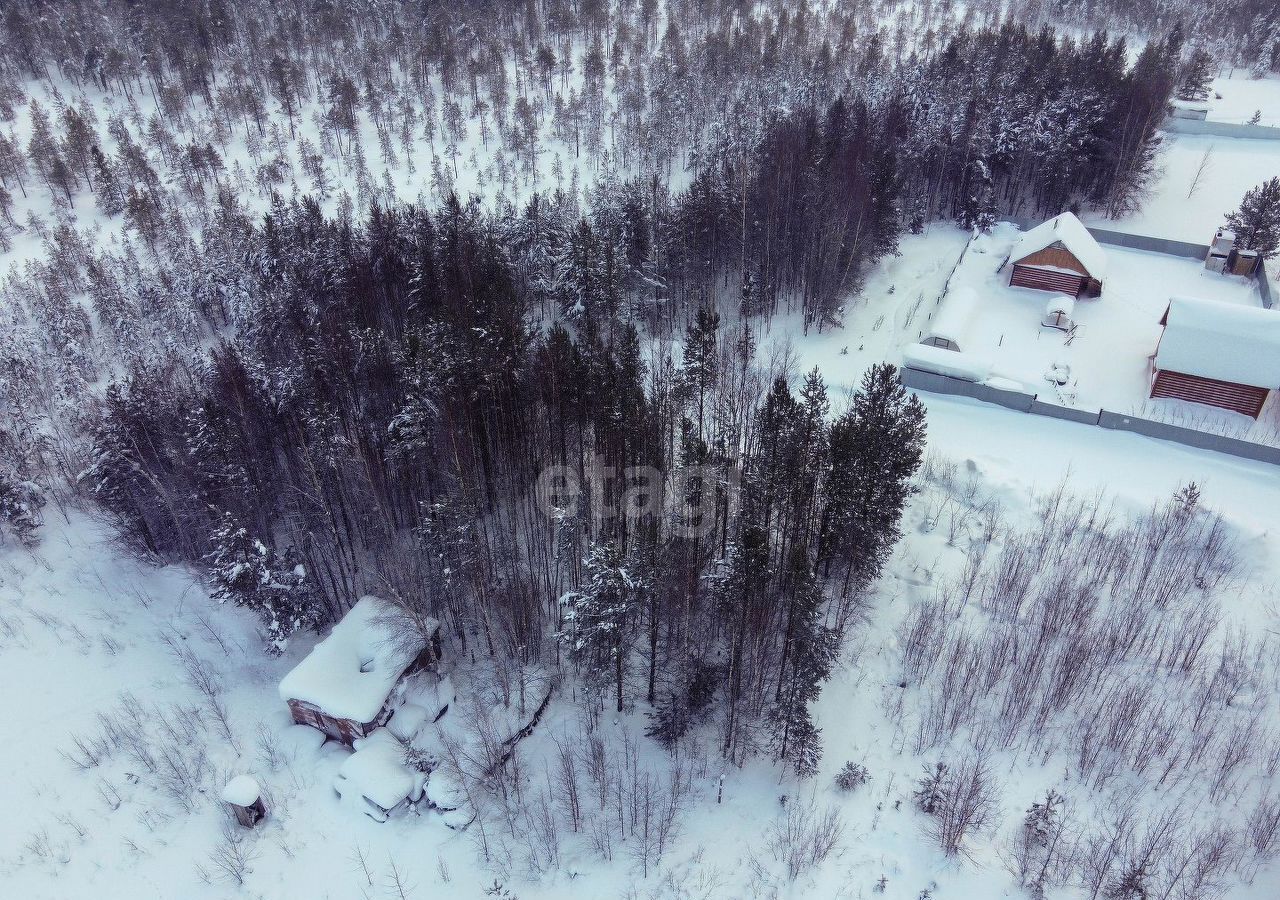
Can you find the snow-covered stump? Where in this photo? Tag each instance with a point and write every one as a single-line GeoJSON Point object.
{"type": "Point", "coordinates": [244, 797]}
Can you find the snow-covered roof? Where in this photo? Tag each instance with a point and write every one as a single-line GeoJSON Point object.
{"type": "Point", "coordinates": [1223, 341]}
{"type": "Point", "coordinates": [1074, 236]}
{"type": "Point", "coordinates": [377, 772]}
{"type": "Point", "coordinates": [954, 316]}
{"type": "Point", "coordinates": [965, 366]}
{"type": "Point", "coordinates": [242, 791]}
{"type": "Point", "coordinates": [351, 673]}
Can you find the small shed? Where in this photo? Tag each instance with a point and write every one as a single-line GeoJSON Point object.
{"type": "Point", "coordinates": [1061, 256]}
{"type": "Point", "coordinates": [350, 683]}
{"type": "Point", "coordinates": [1219, 354]}
{"type": "Point", "coordinates": [1197, 110]}
{"type": "Point", "coordinates": [244, 797]}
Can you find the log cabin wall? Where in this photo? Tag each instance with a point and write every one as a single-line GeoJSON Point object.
{"type": "Point", "coordinates": [1241, 398]}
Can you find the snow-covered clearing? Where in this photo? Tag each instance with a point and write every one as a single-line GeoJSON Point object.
{"type": "Point", "coordinates": [1183, 208]}
{"type": "Point", "coordinates": [894, 310]}
{"type": "Point", "coordinates": [1238, 97]}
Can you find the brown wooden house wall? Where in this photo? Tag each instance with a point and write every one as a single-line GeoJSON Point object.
{"type": "Point", "coordinates": [344, 730]}
{"type": "Point", "coordinates": [1048, 280]}
{"type": "Point", "coordinates": [1241, 398]}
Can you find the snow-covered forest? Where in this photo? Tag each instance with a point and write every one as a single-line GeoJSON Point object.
{"type": "Point", "coordinates": [499, 311]}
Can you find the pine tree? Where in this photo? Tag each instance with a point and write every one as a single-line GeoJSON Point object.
{"type": "Point", "coordinates": [701, 359]}
{"type": "Point", "coordinates": [20, 502]}
{"type": "Point", "coordinates": [1257, 221]}
{"type": "Point", "coordinates": [740, 597]}
{"type": "Point", "coordinates": [792, 733]}
{"type": "Point", "coordinates": [978, 207]}
{"type": "Point", "coordinates": [931, 789]}
{"type": "Point", "coordinates": [599, 617]}
{"type": "Point", "coordinates": [876, 448]}
{"type": "Point", "coordinates": [1193, 86]}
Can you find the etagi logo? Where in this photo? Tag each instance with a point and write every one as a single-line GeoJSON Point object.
{"type": "Point", "coordinates": [691, 498]}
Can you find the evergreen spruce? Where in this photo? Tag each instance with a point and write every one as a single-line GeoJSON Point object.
{"type": "Point", "coordinates": [599, 617]}
{"type": "Point", "coordinates": [1257, 221]}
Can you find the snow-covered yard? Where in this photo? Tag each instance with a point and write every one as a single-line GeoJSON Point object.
{"type": "Point", "coordinates": [1237, 98]}
{"type": "Point", "coordinates": [1180, 206]}
{"type": "Point", "coordinates": [1109, 355]}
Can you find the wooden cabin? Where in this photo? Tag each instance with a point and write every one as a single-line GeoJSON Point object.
{"type": "Point", "coordinates": [351, 682]}
{"type": "Point", "coordinates": [1220, 354]}
{"type": "Point", "coordinates": [1060, 256]}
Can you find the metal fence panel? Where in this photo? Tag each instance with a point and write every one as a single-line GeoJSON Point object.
{"type": "Point", "coordinates": [1053, 411]}
{"type": "Point", "coordinates": [1191, 437]}
{"type": "Point", "coordinates": [1222, 129]}
{"type": "Point", "coordinates": [918, 379]}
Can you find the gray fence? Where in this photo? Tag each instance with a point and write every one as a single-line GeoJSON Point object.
{"type": "Point", "coordinates": [1222, 129]}
{"type": "Point", "coordinates": [1150, 244]}
{"type": "Point", "coordinates": [921, 380]}
{"type": "Point", "coordinates": [945, 384]}
{"type": "Point", "coordinates": [1191, 437]}
{"type": "Point", "coordinates": [1264, 285]}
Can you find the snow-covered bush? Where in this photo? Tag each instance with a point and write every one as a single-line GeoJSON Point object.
{"type": "Point", "coordinates": [21, 500]}
{"type": "Point", "coordinates": [852, 776]}
{"type": "Point", "coordinates": [420, 760]}
{"type": "Point", "coordinates": [966, 805]}
{"type": "Point", "coordinates": [803, 836]}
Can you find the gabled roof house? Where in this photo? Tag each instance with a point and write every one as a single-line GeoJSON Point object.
{"type": "Point", "coordinates": [1059, 255]}
{"type": "Point", "coordinates": [1220, 354]}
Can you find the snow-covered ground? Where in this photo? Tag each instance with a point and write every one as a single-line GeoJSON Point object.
{"type": "Point", "coordinates": [1203, 178]}
{"type": "Point", "coordinates": [897, 301]}
{"type": "Point", "coordinates": [86, 635]}
{"type": "Point", "coordinates": [133, 699]}
{"type": "Point", "coordinates": [1238, 97]}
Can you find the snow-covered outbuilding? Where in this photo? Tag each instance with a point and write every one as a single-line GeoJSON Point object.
{"type": "Point", "coordinates": [376, 778]}
{"type": "Point", "coordinates": [350, 683]}
{"type": "Point", "coordinates": [1057, 313]}
{"type": "Point", "coordinates": [951, 324]}
{"type": "Point", "coordinates": [1059, 255]}
{"type": "Point", "coordinates": [1220, 354]}
{"type": "Point", "coordinates": [244, 796]}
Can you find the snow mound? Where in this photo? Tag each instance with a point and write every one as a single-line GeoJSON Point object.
{"type": "Point", "coordinates": [376, 773]}
{"type": "Point", "coordinates": [443, 792]}
{"type": "Point", "coordinates": [965, 366]}
{"type": "Point", "coordinates": [301, 739]}
{"type": "Point", "coordinates": [407, 721]}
